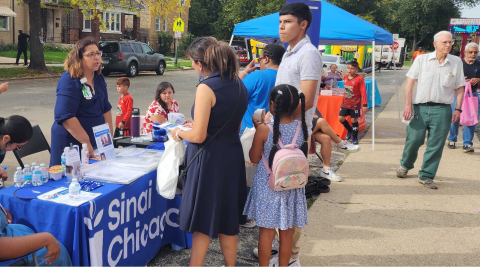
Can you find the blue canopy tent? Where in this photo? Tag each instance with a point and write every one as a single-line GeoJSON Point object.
{"type": "Point", "coordinates": [337, 27]}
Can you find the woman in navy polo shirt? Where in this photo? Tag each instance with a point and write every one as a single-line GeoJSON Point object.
{"type": "Point", "coordinates": [82, 100]}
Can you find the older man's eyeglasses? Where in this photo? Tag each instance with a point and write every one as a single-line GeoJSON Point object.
{"type": "Point", "coordinates": [92, 54]}
{"type": "Point", "coordinates": [261, 58]}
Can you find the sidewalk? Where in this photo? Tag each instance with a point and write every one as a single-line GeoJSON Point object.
{"type": "Point", "coordinates": [374, 218]}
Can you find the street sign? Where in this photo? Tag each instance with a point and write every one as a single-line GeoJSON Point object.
{"type": "Point", "coordinates": [395, 37]}
{"type": "Point", "coordinates": [178, 35]}
{"type": "Point", "coordinates": [178, 25]}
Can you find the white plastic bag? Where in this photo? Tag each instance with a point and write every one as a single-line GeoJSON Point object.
{"type": "Point", "coordinates": [167, 171]}
{"type": "Point", "coordinates": [247, 140]}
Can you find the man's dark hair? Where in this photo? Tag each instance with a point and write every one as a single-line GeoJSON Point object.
{"type": "Point", "coordinates": [354, 64]}
{"type": "Point", "coordinates": [274, 52]}
{"type": "Point", "coordinates": [299, 10]}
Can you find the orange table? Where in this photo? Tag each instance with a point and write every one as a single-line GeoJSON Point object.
{"type": "Point", "coordinates": [329, 107]}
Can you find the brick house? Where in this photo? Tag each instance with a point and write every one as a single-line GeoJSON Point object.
{"type": "Point", "coordinates": [60, 26]}
{"type": "Point", "coordinates": [150, 26]}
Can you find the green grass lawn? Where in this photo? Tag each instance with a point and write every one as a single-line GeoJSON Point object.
{"type": "Point", "coordinates": [408, 63]}
{"type": "Point", "coordinates": [50, 57]}
{"type": "Point", "coordinates": [10, 73]}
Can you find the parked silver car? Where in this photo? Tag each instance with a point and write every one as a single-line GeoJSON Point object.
{"type": "Point", "coordinates": [130, 57]}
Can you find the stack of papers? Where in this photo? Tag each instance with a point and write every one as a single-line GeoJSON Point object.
{"type": "Point", "coordinates": [109, 173]}
{"type": "Point", "coordinates": [60, 195]}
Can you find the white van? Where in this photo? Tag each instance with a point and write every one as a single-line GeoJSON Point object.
{"type": "Point", "coordinates": [328, 59]}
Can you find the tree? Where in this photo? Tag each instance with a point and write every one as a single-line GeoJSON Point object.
{"type": "Point", "coordinates": [266, 7]}
{"type": "Point", "coordinates": [233, 12]}
{"type": "Point", "coordinates": [158, 8]}
{"type": "Point", "coordinates": [203, 14]}
{"type": "Point", "coordinates": [37, 61]}
{"type": "Point", "coordinates": [422, 19]}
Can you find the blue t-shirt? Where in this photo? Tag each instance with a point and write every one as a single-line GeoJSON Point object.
{"type": "Point", "coordinates": [259, 84]}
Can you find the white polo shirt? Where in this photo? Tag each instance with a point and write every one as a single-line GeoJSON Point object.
{"type": "Point", "coordinates": [302, 63]}
{"type": "Point", "coordinates": [435, 82]}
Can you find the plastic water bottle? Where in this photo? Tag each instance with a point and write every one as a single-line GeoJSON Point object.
{"type": "Point", "coordinates": [85, 154]}
{"type": "Point", "coordinates": [37, 177]}
{"type": "Point", "coordinates": [63, 162]}
{"type": "Point", "coordinates": [74, 190]}
{"type": "Point", "coordinates": [18, 178]}
{"type": "Point", "coordinates": [44, 171]}
{"type": "Point", "coordinates": [27, 175]}
{"type": "Point", "coordinates": [32, 167]}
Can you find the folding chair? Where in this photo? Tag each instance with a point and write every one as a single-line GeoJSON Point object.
{"type": "Point", "coordinates": [36, 144]}
{"type": "Point", "coordinates": [17, 262]}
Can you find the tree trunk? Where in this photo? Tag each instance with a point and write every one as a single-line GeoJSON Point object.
{"type": "Point", "coordinates": [415, 38]}
{"type": "Point", "coordinates": [37, 61]}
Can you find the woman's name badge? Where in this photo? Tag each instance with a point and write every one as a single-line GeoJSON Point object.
{"type": "Point", "coordinates": [83, 80]}
{"type": "Point", "coordinates": [87, 93]}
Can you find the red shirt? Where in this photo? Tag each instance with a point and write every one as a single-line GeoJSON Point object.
{"type": "Point", "coordinates": [156, 109]}
{"type": "Point", "coordinates": [124, 110]}
{"type": "Point", "coordinates": [355, 93]}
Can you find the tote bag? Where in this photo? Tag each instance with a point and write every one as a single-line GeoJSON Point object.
{"type": "Point", "coordinates": [167, 171]}
{"type": "Point", "coordinates": [247, 140]}
{"type": "Point", "coordinates": [468, 117]}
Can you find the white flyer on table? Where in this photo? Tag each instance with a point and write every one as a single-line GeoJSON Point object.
{"type": "Point", "coordinates": [60, 195]}
{"type": "Point", "coordinates": [104, 142]}
{"type": "Point", "coordinates": [171, 126]}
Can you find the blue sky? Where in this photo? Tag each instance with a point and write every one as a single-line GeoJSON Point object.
{"type": "Point", "coordinates": [471, 12]}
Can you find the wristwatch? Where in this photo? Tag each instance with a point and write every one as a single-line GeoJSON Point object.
{"type": "Point", "coordinates": [458, 110]}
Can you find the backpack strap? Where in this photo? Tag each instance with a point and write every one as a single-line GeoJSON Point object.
{"type": "Point", "coordinates": [295, 138]}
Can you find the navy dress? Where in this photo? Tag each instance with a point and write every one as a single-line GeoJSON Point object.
{"type": "Point", "coordinates": [215, 186]}
{"type": "Point", "coordinates": [71, 103]}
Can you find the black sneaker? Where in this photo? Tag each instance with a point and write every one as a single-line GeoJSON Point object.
{"type": "Point", "coordinates": [468, 149]}
{"type": "Point", "coordinates": [451, 145]}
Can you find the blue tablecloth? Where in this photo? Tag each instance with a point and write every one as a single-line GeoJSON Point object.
{"type": "Point", "coordinates": [368, 84]}
{"type": "Point", "coordinates": [125, 226]}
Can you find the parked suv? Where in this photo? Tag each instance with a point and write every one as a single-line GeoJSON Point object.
{"type": "Point", "coordinates": [130, 57]}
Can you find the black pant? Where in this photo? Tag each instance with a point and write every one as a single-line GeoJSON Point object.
{"type": "Point", "coordinates": [22, 49]}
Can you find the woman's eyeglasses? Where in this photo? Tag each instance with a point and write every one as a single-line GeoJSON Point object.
{"type": "Point", "coordinates": [92, 54]}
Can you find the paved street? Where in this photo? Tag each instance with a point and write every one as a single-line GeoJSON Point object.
{"type": "Point", "coordinates": [35, 99]}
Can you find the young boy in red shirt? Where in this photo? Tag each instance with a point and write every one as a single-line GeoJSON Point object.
{"type": "Point", "coordinates": [124, 107]}
{"type": "Point", "coordinates": [354, 101]}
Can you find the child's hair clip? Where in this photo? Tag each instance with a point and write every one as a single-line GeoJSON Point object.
{"type": "Point", "coordinates": [280, 92]}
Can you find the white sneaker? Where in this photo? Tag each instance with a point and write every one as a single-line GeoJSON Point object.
{"type": "Point", "coordinates": [249, 224]}
{"type": "Point", "coordinates": [330, 175]}
{"type": "Point", "coordinates": [345, 147]}
{"type": "Point", "coordinates": [294, 262]}
{"type": "Point", "coordinates": [291, 263]}
{"type": "Point", "coordinates": [275, 249]}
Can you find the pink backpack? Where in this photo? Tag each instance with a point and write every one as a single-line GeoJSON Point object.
{"type": "Point", "coordinates": [290, 166]}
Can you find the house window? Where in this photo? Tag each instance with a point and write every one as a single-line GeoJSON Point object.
{"type": "Point", "coordinates": [4, 23]}
{"type": "Point", "coordinates": [87, 22]}
{"type": "Point", "coordinates": [165, 25]}
{"type": "Point", "coordinates": [157, 24]}
{"type": "Point", "coordinates": [181, 2]}
{"type": "Point", "coordinates": [112, 22]}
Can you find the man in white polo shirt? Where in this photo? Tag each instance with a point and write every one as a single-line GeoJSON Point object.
{"type": "Point", "coordinates": [439, 77]}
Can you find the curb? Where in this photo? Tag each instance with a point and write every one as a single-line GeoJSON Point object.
{"type": "Point", "coordinates": [58, 76]}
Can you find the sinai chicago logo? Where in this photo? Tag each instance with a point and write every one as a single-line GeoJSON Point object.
{"type": "Point", "coordinates": [119, 212]}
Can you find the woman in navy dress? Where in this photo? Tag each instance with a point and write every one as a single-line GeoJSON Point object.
{"type": "Point", "coordinates": [82, 100]}
{"type": "Point", "coordinates": [215, 187]}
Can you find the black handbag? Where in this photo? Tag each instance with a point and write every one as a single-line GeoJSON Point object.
{"type": "Point", "coordinates": [182, 169]}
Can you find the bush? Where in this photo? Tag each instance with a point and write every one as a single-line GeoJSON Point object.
{"type": "Point", "coordinates": [165, 40]}
{"type": "Point", "coordinates": [185, 41]}
{"type": "Point", "coordinates": [7, 47]}
{"type": "Point", "coordinates": [53, 48]}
